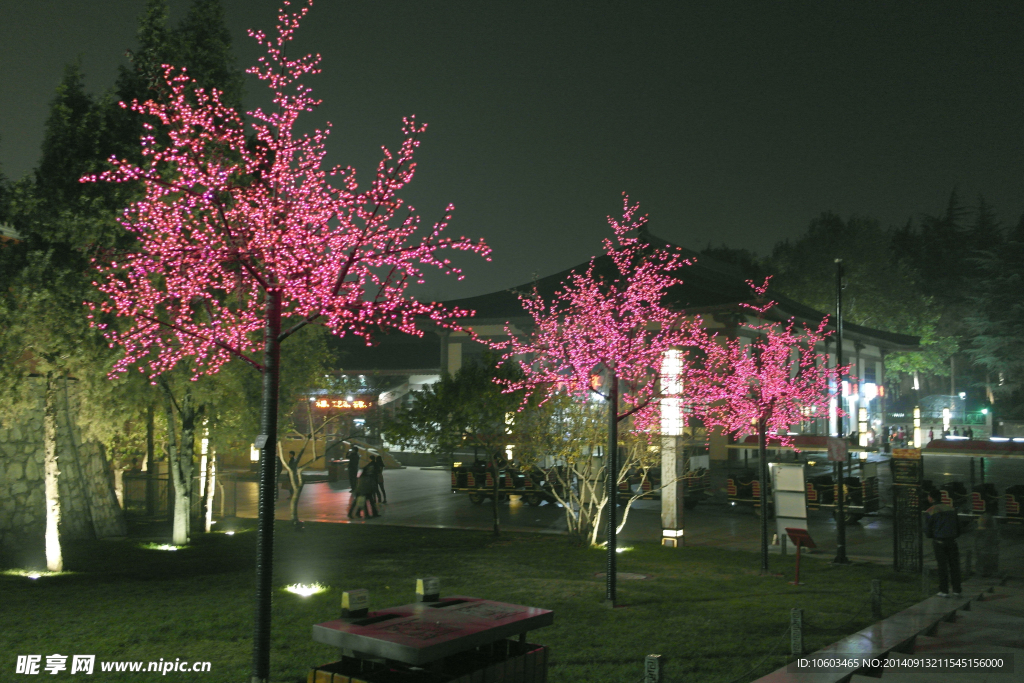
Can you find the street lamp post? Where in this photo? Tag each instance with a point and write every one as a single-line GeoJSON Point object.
{"type": "Point", "coordinates": [611, 473]}
{"type": "Point", "coordinates": [840, 467]}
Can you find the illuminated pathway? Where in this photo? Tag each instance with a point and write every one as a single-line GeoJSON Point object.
{"type": "Point", "coordinates": [422, 497]}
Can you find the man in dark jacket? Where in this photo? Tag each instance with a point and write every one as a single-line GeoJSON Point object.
{"type": "Point", "coordinates": [942, 525]}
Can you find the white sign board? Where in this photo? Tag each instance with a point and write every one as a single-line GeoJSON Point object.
{"type": "Point", "coordinates": [790, 492]}
{"type": "Point", "coordinates": [837, 449]}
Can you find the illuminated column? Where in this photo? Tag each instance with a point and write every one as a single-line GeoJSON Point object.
{"type": "Point", "coordinates": [851, 406]}
{"type": "Point", "coordinates": [454, 357]}
{"type": "Point", "coordinates": [862, 425]}
{"type": "Point", "coordinates": [945, 419]}
{"type": "Point", "coordinates": [833, 416]}
{"type": "Point", "coordinates": [917, 427]}
{"type": "Point", "coordinates": [672, 460]}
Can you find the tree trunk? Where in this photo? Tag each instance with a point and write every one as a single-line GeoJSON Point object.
{"type": "Point", "coordinates": [180, 521]}
{"type": "Point", "coordinates": [762, 453]}
{"type": "Point", "coordinates": [151, 489]}
{"type": "Point", "coordinates": [297, 485]}
{"type": "Point", "coordinates": [184, 468]}
{"type": "Point", "coordinates": [211, 483]}
{"type": "Point", "coordinates": [51, 487]}
{"type": "Point", "coordinates": [268, 485]}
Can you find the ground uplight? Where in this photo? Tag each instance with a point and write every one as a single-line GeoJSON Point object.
{"type": "Point", "coordinates": [32, 574]}
{"type": "Point", "coordinates": [161, 546]}
{"type": "Point", "coordinates": [306, 589]}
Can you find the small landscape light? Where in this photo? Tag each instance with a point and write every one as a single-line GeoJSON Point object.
{"type": "Point", "coordinates": [160, 546]}
{"type": "Point", "coordinates": [32, 574]}
{"type": "Point", "coordinates": [306, 589]}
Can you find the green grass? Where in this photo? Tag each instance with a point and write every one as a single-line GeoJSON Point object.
{"type": "Point", "coordinates": [707, 611]}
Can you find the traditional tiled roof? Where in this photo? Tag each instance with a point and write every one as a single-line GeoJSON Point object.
{"type": "Point", "coordinates": [707, 287]}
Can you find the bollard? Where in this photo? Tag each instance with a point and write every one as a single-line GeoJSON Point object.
{"type": "Point", "coordinates": [876, 599]}
{"type": "Point", "coordinates": [652, 668]}
{"type": "Point", "coordinates": [926, 583]}
{"type": "Point", "coordinates": [796, 631]}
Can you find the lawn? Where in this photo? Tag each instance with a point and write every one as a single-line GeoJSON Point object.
{"type": "Point", "coordinates": [707, 611]}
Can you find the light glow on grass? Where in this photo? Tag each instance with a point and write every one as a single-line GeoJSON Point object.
{"type": "Point", "coordinates": [306, 589]}
{"type": "Point", "coordinates": [229, 533]}
{"type": "Point", "coordinates": [161, 546]}
{"type": "Point", "coordinates": [618, 549]}
{"type": "Point", "coordinates": [31, 573]}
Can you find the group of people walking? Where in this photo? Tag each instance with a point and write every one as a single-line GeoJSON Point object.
{"type": "Point", "coordinates": [366, 476]}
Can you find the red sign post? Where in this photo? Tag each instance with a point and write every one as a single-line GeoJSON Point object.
{"type": "Point", "coordinates": [802, 539]}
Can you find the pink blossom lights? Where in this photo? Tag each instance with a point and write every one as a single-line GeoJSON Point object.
{"type": "Point", "coordinates": [241, 241]}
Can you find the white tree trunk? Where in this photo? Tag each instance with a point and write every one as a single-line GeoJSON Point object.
{"type": "Point", "coordinates": [211, 483]}
{"type": "Point", "coordinates": [51, 486]}
{"type": "Point", "coordinates": [176, 463]}
{"type": "Point", "coordinates": [183, 471]}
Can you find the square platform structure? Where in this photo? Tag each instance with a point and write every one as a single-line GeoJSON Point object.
{"type": "Point", "coordinates": [425, 632]}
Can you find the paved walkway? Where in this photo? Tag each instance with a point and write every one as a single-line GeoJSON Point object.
{"type": "Point", "coordinates": [986, 624]}
{"type": "Point", "coordinates": [422, 497]}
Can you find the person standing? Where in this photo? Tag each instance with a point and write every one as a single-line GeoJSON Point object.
{"type": "Point", "coordinates": [362, 504]}
{"type": "Point", "coordinates": [378, 462]}
{"type": "Point", "coordinates": [353, 468]}
{"type": "Point", "coordinates": [942, 525]}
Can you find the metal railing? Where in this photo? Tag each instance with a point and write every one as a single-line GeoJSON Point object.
{"type": "Point", "coordinates": [153, 496]}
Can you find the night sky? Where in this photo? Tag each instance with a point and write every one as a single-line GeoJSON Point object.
{"type": "Point", "coordinates": [730, 122]}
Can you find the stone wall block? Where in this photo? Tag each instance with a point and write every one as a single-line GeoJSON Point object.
{"type": "Point", "coordinates": [32, 472]}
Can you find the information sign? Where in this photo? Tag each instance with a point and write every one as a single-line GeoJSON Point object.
{"type": "Point", "coordinates": [907, 476]}
{"type": "Point", "coordinates": [906, 467]}
{"type": "Point", "coordinates": [837, 449]}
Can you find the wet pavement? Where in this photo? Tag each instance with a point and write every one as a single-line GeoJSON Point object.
{"type": "Point", "coordinates": [422, 497]}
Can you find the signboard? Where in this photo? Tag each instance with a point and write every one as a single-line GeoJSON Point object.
{"type": "Point", "coordinates": [907, 467]}
{"type": "Point", "coordinates": [837, 449]}
{"type": "Point", "coordinates": [907, 475]}
{"type": "Point", "coordinates": [342, 403]}
{"type": "Point", "coordinates": [790, 492]}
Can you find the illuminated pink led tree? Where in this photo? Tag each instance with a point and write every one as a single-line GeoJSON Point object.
{"type": "Point", "coordinates": [763, 387]}
{"type": "Point", "coordinates": [609, 319]}
{"type": "Point", "coordinates": [241, 239]}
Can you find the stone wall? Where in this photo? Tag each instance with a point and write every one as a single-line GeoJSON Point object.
{"type": "Point", "coordinates": [90, 508]}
